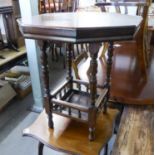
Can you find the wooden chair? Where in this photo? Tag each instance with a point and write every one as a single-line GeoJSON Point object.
{"type": "Point", "coordinates": [84, 58]}
{"type": "Point", "coordinates": [140, 40]}
{"type": "Point", "coordinates": [52, 6]}
{"type": "Point", "coordinates": [48, 6]}
{"type": "Point", "coordinates": [129, 70]}
{"type": "Point", "coordinates": [70, 137]}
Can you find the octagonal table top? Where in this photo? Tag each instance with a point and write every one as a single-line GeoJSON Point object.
{"type": "Point", "coordinates": [80, 26]}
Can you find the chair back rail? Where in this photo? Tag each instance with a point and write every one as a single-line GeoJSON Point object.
{"type": "Point", "coordinates": [141, 10]}
{"type": "Point", "coordinates": [49, 6]}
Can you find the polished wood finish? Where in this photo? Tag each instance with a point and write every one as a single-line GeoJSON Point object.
{"type": "Point", "coordinates": [57, 6]}
{"type": "Point", "coordinates": [108, 72]}
{"type": "Point", "coordinates": [135, 134]}
{"type": "Point", "coordinates": [78, 27]}
{"type": "Point", "coordinates": [70, 136]}
{"type": "Point", "coordinates": [45, 71]}
{"type": "Point", "coordinates": [141, 10]}
{"type": "Point", "coordinates": [75, 63]}
{"type": "Point", "coordinates": [128, 84]}
{"type": "Point", "coordinates": [75, 28]}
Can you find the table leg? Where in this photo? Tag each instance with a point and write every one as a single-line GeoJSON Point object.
{"type": "Point", "coordinates": [45, 75]}
{"type": "Point", "coordinates": [93, 90]}
{"type": "Point", "coordinates": [40, 148]}
{"type": "Point", "coordinates": [108, 78]}
{"type": "Point", "coordinates": [106, 149]}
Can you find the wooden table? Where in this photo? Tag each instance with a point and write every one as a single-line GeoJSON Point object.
{"type": "Point", "coordinates": [136, 132]}
{"type": "Point", "coordinates": [6, 9]}
{"type": "Point", "coordinates": [79, 28]}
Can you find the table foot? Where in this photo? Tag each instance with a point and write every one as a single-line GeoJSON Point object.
{"type": "Point", "coordinates": [40, 148]}
{"type": "Point", "coordinates": [91, 134]}
{"type": "Point", "coordinates": [106, 149]}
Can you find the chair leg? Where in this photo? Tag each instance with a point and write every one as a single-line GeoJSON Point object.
{"type": "Point", "coordinates": [40, 148]}
{"type": "Point", "coordinates": [106, 149]}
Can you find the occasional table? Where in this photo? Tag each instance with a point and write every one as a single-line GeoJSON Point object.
{"type": "Point", "coordinates": [69, 100]}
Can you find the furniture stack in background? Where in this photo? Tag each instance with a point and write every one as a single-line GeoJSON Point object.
{"type": "Point", "coordinates": [19, 78]}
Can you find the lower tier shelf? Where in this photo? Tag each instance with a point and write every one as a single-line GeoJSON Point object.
{"type": "Point", "coordinates": [75, 103]}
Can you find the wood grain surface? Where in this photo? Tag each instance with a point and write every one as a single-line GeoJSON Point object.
{"type": "Point", "coordinates": [136, 132]}
{"type": "Point", "coordinates": [79, 27]}
{"type": "Point", "coordinates": [128, 84]}
{"type": "Point", "coordinates": [71, 136]}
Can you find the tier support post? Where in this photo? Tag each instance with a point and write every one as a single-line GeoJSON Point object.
{"type": "Point", "coordinates": [45, 77]}
{"type": "Point", "coordinates": [108, 76]}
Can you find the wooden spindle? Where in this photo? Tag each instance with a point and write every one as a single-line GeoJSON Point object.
{"type": "Point", "coordinates": [79, 114]}
{"type": "Point", "coordinates": [60, 94]}
{"type": "Point", "coordinates": [94, 48]}
{"type": "Point", "coordinates": [69, 111]}
{"type": "Point", "coordinates": [69, 65]}
{"type": "Point", "coordinates": [108, 77]}
{"type": "Point", "coordinates": [65, 90]}
{"type": "Point", "coordinates": [45, 75]}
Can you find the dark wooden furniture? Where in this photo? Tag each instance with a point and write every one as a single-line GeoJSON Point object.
{"type": "Point", "coordinates": [136, 131]}
{"type": "Point", "coordinates": [128, 84]}
{"type": "Point", "coordinates": [57, 6]}
{"type": "Point", "coordinates": [52, 6]}
{"type": "Point", "coordinates": [141, 10]}
{"type": "Point", "coordinates": [9, 10]}
{"type": "Point", "coordinates": [71, 137]}
{"type": "Point", "coordinates": [68, 101]}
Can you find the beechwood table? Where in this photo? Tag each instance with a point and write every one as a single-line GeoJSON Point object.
{"type": "Point", "coordinates": [89, 27]}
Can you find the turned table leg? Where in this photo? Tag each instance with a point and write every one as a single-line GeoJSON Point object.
{"type": "Point", "coordinates": [40, 148]}
{"type": "Point", "coordinates": [45, 75]}
{"type": "Point", "coordinates": [93, 90]}
{"type": "Point", "coordinates": [108, 77]}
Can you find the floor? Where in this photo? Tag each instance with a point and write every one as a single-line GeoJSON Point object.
{"type": "Point", "coordinates": [16, 116]}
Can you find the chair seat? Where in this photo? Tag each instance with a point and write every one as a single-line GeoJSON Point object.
{"type": "Point", "coordinates": [71, 136]}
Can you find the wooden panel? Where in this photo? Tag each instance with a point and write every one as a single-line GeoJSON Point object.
{"type": "Point", "coordinates": [72, 136]}
{"type": "Point", "coordinates": [135, 135]}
